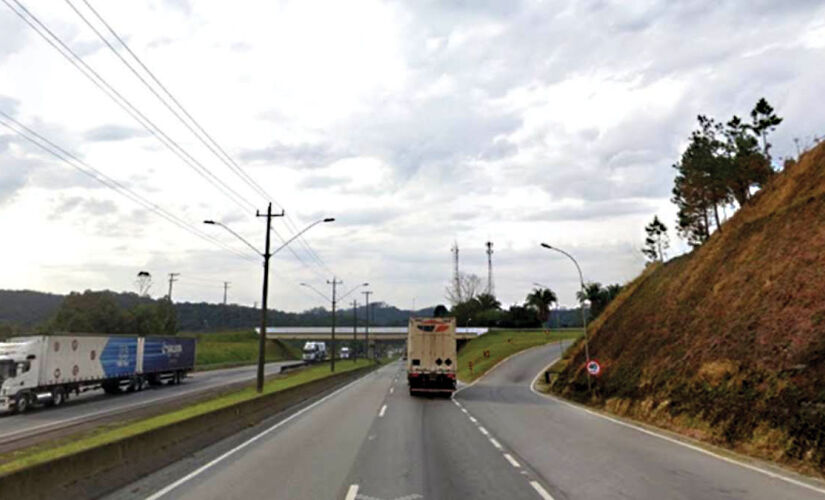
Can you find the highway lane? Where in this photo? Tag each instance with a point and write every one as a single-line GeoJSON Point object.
{"type": "Point", "coordinates": [94, 404]}
{"type": "Point", "coordinates": [580, 455]}
{"type": "Point", "coordinates": [371, 440]}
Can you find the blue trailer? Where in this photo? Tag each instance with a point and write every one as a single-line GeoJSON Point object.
{"type": "Point", "coordinates": [48, 368]}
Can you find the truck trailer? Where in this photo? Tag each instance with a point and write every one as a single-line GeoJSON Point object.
{"type": "Point", "coordinates": [48, 368]}
{"type": "Point", "coordinates": [431, 355]}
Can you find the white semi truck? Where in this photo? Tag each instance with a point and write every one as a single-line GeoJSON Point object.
{"type": "Point", "coordinates": [48, 368]}
{"type": "Point", "coordinates": [431, 355]}
{"type": "Point", "coordinates": [314, 352]}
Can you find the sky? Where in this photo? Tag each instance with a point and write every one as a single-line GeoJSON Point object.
{"type": "Point", "coordinates": [415, 124]}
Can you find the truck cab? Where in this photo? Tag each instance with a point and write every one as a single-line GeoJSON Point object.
{"type": "Point", "coordinates": [18, 374]}
{"type": "Point", "coordinates": [314, 351]}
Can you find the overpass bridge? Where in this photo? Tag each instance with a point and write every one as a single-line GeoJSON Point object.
{"type": "Point", "coordinates": [343, 332]}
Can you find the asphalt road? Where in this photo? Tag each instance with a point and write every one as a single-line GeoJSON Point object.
{"type": "Point", "coordinates": [370, 440]}
{"type": "Point", "coordinates": [582, 455]}
{"type": "Point", "coordinates": [96, 404]}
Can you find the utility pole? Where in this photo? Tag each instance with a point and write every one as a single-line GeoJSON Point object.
{"type": "Point", "coordinates": [354, 330]}
{"type": "Point", "coordinates": [225, 288]}
{"type": "Point", "coordinates": [367, 327]}
{"type": "Point", "coordinates": [334, 284]}
{"type": "Point", "coordinates": [490, 289]}
{"type": "Point", "coordinates": [172, 279]}
{"type": "Point", "coordinates": [262, 334]}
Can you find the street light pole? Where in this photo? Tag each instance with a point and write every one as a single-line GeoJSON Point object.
{"type": "Point", "coordinates": [354, 330]}
{"type": "Point", "coordinates": [334, 284]}
{"type": "Point", "coordinates": [367, 326]}
{"type": "Point", "coordinates": [265, 292]}
{"type": "Point", "coordinates": [584, 314]}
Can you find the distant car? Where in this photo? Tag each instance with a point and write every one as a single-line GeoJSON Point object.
{"type": "Point", "coordinates": [345, 353]}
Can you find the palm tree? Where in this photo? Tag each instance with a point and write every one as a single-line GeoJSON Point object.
{"type": "Point", "coordinates": [541, 299]}
{"type": "Point", "coordinates": [487, 301]}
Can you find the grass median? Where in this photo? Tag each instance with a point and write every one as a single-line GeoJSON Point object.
{"type": "Point", "coordinates": [499, 344]}
{"type": "Point", "coordinates": [26, 457]}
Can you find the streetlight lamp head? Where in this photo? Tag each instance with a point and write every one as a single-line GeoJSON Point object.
{"type": "Point", "coordinates": [329, 219]}
{"type": "Point", "coordinates": [545, 245]}
{"type": "Point", "coordinates": [366, 284]}
{"type": "Point", "coordinates": [208, 222]}
{"type": "Point", "coordinates": [303, 284]}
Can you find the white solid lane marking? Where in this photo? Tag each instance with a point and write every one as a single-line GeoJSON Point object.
{"type": "Point", "coordinates": [676, 441]}
{"type": "Point", "coordinates": [352, 492]}
{"type": "Point", "coordinates": [511, 460]}
{"type": "Point", "coordinates": [495, 443]}
{"type": "Point", "coordinates": [473, 420]}
{"type": "Point", "coordinates": [483, 431]}
{"type": "Point", "coordinates": [541, 491]}
{"type": "Point", "coordinates": [249, 441]}
{"type": "Point", "coordinates": [383, 409]}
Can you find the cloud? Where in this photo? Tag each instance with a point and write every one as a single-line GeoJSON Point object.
{"type": "Point", "coordinates": [107, 133]}
{"type": "Point", "coordinates": [322, 181]}
{"type": "Point", "coordinates": [296, 155]}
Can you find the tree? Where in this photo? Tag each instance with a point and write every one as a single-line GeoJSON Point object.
{"type": "Point", "coordinates": [487, 301]}
{"type": "Point", "coordinates": [721, 164]}
{"type": "Point", "coordinates": [598, 296]}
{"type": "Point", "coordinates": [764, 120]}
{"type": "Point", "coordinates": [440, 311]}
{"type": "Point", "coordinates": [467, 287]}
{"type": "Point", "coordinates": [541, 299]}
{"type": "Point", "coordinates": [143, 283]}
{"type": "Point", "coordinates": [657, 240]}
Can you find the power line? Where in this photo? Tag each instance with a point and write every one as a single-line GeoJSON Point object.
{"type": "Point", "coordinates": [207, 140]}
{"type": "Point", "coordinates": [74, 162]}
{"type": "Point", "coordinates": [125, 104]}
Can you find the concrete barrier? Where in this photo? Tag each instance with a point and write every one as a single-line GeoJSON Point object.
{"type": "Point", "coordinates": [97, 471]}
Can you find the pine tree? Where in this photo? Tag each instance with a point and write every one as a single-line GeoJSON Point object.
{"type": "Point", "coordinates": [657, 240]}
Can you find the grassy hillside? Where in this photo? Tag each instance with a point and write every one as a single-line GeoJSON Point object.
{"type": "Point", "coordinates": [219, 350]}
{"type": "Point", "coordinates": [501, 344]}
{"type": "Point", "coordinates": [727, 343]}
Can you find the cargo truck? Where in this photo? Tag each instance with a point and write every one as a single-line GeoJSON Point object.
{"type": "Point", "coordinates": [431, 355]}
{"type": "Point", "coordinates": [314, 352]}
{"type": "Point", "coordinates": [46, 369]}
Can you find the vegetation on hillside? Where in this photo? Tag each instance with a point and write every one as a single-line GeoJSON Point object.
{"type": "Point", "coordinates": [721, 167]}
{"type": "Point", "coordinates": [487, 350]}
{"type": "Point", "coordinates": [728, 342]}
{"type": "Point", "coordinates": [224, 349]}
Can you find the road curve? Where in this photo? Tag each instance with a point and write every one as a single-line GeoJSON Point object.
{"type": "Point", "coordinates": [95, 404]}
{"type": "Point", "coordinates": [580, 455]}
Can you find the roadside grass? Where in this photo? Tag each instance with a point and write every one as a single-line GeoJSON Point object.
{"type": "Point", "coordinates": [501, 344]}
{"type": "Point", "coordinates": [26, 457]}
{"type": "Point", "coordinates": [235, 348]}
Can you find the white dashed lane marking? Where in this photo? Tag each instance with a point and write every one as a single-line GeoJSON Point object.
{"type": "Point", "coordinates": [383, 410]}
{"type": "Point", "coordinates": [540, 490]}
{"type": "Point", "coordinates": [511, 460]}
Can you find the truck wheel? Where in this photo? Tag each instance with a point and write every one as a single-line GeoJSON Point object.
{"type": "Point", "coordinates": [22, 403]}
{"type": "Point", "coordinates": [58, 396]}
{"type": "Point", "coordinates": [111, 387]}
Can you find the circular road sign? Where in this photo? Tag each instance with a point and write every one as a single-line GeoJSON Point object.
{"type": "Point", "coordinates": [594, 368]}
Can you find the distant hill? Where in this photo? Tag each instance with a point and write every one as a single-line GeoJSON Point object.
{"type": "Point", "coordinates": [26, 309]}
{"type": "Point", "coordinates": [727, 343]}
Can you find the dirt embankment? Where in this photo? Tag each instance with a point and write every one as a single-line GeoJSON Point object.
{"type": "Point", "coordinates": [727, 344]}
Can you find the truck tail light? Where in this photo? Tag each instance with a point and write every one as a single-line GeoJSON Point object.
{"type": "Point", "coordinates": [451, 375]}
{"type": "Point", "coordinates": [414, 374]}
